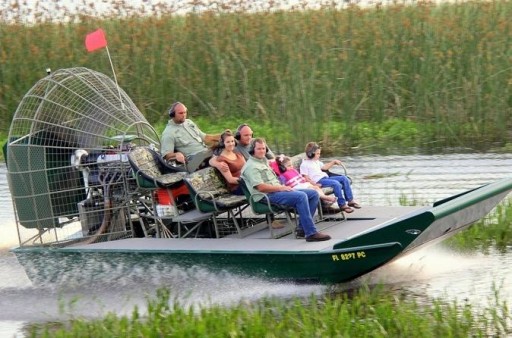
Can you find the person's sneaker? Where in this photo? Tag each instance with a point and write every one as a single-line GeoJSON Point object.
{"type": "Point", "coordinates": [318, 237]}
{"type": "Point", "coordinates": [278, 224]}
{"type": "Point", "coordinates": [299, 233]}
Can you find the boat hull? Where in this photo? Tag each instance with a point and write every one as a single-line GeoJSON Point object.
{"type": "Point", "coordinates": [360, 244]}
{"type": "Point", "coordinates": [332, 266]}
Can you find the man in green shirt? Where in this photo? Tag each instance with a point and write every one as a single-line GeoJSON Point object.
{"type": "Point", "coordinates": [183, 141]}
{"type": "Point", "coordinates": [259, 177]}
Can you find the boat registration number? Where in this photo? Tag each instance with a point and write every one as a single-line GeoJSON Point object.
{"type": "Point", "coordinates": [348, 256]}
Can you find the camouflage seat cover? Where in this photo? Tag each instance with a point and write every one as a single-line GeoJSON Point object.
{"type": "Point", "coordinates": [210, 187]}
{"type": "Point", "coordinates": [146, 163]}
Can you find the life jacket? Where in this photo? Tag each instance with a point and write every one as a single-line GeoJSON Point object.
{"type": "Point", "coordinates": [292, 177]}
{"type": "Point", "coordinates": [273, 164]}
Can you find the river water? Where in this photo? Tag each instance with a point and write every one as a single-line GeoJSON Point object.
{"type": "Point", "coordinates": [435, 271]}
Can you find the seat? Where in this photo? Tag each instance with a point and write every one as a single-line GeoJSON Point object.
{"type": "Point", "coordinates": [267, 208]}
{"type": "Point", "coordinates": [151, 173]}
{"type": "Point", "coordinates": [209, 192]}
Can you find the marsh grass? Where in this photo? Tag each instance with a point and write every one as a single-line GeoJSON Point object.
{"type": "Point", "coordinates": [371, 79]}
{"type": "Point", "coordinates": [366, 313]}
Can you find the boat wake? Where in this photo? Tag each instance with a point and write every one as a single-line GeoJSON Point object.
{"type": "Point", "coordinates": [93, 289]}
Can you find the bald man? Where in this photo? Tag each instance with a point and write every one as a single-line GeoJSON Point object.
{"type": "Point", "coordinates": [183, 141]}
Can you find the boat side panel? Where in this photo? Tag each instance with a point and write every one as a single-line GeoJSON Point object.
{"type": "Point", "coordinates": [403, 231]}
{"type": "Point", "coordinates": [49, 266]}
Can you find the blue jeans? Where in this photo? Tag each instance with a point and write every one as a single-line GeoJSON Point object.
{"type": "Point", "coordinates": [304, 201]}
{"type": "Point", "coordinates": [341, 186]}
{"type": "Point", "coordinates": [238, 191]}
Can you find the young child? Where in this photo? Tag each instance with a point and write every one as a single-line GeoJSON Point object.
{"type": "Point", "coordinates": [313, 169]}
{"type": "Point", "coordinates": [289, 176]}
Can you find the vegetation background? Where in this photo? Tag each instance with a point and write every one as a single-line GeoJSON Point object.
{"type": "Point", "coordinates": [419, 78]}
{"type": "Point", "coordinates": [422, 78]}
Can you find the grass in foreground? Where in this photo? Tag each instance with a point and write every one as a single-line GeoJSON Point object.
{"type": "Point", "coordinates": [368, 313]}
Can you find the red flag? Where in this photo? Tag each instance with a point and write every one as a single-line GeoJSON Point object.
{"type": "Point", "coordinates": [95, 40]}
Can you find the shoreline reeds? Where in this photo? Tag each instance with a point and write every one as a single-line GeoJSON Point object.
{"type": "Point", "coordinates": [423, 76]}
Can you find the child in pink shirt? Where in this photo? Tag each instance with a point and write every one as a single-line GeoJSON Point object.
{"type": "Point", "coordinates": [289, 176]}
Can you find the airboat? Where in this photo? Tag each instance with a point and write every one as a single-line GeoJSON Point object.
{"type": "Point", "coordinates": [87, 181]}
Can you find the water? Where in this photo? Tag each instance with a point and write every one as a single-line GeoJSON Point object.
{"type": "Point", "coordinates": [432, 272]}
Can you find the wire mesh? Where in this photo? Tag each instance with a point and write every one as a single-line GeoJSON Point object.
{"type": "Point", "coordinates": [66, 157]}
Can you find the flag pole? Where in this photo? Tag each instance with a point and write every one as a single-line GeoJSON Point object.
{"type": "Point", "coordinates": [97, 40]}
{"type": "Point", "coordinates": [115, 78]}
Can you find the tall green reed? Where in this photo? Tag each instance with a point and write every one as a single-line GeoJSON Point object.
{"type": "Point", "coordinates": [406, 75]}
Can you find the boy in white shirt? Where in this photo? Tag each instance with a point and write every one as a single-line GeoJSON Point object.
{"type": "Point", "coordinates": [315, 170]}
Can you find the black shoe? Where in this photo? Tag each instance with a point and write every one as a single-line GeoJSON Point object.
{"type": "Point", "coordinates": [318, 237]}
{"type": "Point", "coordinates": [299, 233]}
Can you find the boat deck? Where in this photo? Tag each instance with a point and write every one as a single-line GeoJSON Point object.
{"type": "Point", "coordinates": [362, 220]}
